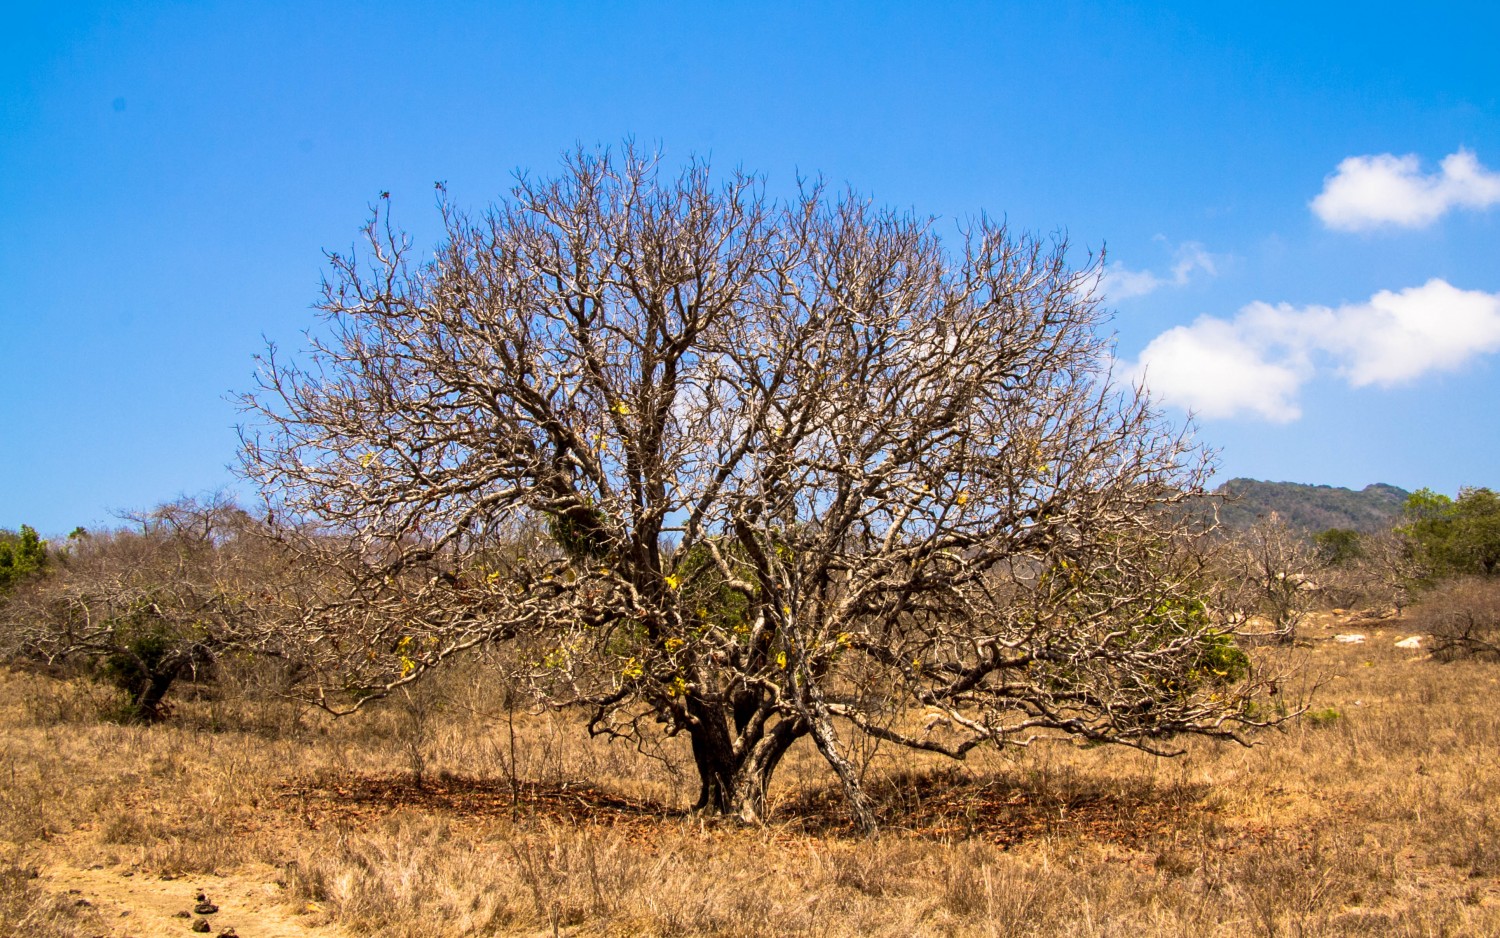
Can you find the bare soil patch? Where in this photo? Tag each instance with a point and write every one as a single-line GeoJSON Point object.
{"type": "Point", "coordinates": [250, 904]}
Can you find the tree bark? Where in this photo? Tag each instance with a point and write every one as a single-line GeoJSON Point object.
{"type": "Point", "coordinates": [734, 775]}
{"type": "Point", "coordinates": [149, 703]}
{"type": "Point", "coordinates": [713, 753]}
{"type": "Point", "coordinates": [753, 779]}
{"type": "Point", "coordinates": [827, 740]}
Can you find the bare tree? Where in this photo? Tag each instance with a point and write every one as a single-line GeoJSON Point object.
{"type": "Point", "coordinates": [1265, 579]}
{"type": "Point", "coordinates": [748, 470]}
{"type": "Point", "coordinates": [1392, 568]}
{"type": "Point", "coordinates": [1379, 571]}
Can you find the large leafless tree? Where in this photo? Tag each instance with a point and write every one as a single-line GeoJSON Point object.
{"type": "Point", "coordinates": [745, 469]}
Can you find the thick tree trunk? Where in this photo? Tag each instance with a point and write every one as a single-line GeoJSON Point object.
{"type": "Point", "coordinates": [753, 779]}
{"type": "Point", "coordinates": [713, 753]}
{"type": "Point", "coordinates": [149, 706]}
{"type": "Point", "coordinates": [733, 780]}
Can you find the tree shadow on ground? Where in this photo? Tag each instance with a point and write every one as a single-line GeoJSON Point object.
{"type": "Point", "coordinates": [949, 804]}
{"type": "Point", "coordinates": [934, 805]}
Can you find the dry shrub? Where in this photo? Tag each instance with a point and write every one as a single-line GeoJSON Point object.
{"type": "Point", "coordinates": [248, 693]}
{"type": "Point", "coordinates": [1463, 616]}
{"type": "Point", "coordinates": [54, 698]}
{"type": "Point", "coordinates": [28, 911]}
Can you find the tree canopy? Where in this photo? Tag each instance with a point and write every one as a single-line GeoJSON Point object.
{"type": "Point", "coordinates": [745, 469]}
{"type": "Point", "coordinates": [1456, 536]}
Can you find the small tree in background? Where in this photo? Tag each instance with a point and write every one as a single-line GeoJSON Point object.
{"type": "Point", "coordinates": [1265, 579]}
{"type": "Point", "coordinates": [743, 470]}
{"type": "Point", "coordinates": [1338, 553]}
{"type": "Point", "coordinates": [22, 554]}
{"type": "Point", "coordinates": [1338, 547]}
{"type": "Point", "coordinates": [1391, 569]}
{"type": "Point", "coordinates": [147, 604]}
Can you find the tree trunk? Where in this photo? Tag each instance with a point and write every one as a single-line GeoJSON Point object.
{"type": "Point", "coordinates": [753, 779]}
{"type": "Point", "coordinates": [713, 753]}
{"type": "Point", "coordinates": [734, 783]}
{"type": "Point", "coordinates": [828, 744]}
{"type": "Point", "coordinates": [149, 706]}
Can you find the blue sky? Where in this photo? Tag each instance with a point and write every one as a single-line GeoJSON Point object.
{"type": "Point", "coordinates": [1301, 206]}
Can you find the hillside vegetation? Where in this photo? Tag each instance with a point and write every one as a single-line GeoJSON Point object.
{"type": "Point", "coordinates": [1310, 508]}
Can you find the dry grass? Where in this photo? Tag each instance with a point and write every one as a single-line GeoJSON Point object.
{"type": "Point", "coordinates": [1379, 817]}
{"type": "Point", "coordinates": [27, 911]}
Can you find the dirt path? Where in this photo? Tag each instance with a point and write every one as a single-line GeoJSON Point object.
{"type": "Point", "coordinates": [146, 906]}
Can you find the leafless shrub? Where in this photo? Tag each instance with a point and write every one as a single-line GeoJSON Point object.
{"type": "Point", "coordinates": [1263, 579]}
{"type": "Point", "coordinates": [56, 698]}
{"type": "Point", "coordinates": [418, 707]}
{"type": "Point", "coordinates": [1388, 570]}
{"type": "Point", "coordinates": [1463, 617]}
{"type": "Point", "coordinates": [154, 602]}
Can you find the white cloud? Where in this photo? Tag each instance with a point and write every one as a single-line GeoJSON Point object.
{"type": "Point", "coordinates": [1210, 368]}
{"type": "Point", "coordinates": [1257, 362]}
{"type": "Point", "coordinates": [1118, 282]}
{"type": "Point", "coordinates": [1386, 190]}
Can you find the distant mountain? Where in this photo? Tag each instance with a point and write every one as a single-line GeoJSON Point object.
{"type": "Point", "coordinates": [1312, 508]}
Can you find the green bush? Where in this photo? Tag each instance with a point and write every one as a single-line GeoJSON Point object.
{"type": "Point", "coordinates": [1338, 547]}
{"type": "Point", "coordinates": [1220, 660]}
{"type": "Point", "coordinates": [22, 555]}
{"type": "Point", "coordinates": [1324, 717]}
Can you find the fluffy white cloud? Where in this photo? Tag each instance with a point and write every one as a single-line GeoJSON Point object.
{"type": "Point", "coordinates": [1375, 191]}
{"type": "Point", "coordinates": [1257, 362]}
{"type": "Point", "coordinates": [1211, 369]}
{"type": "Point", "coordinates": [1117, 282]}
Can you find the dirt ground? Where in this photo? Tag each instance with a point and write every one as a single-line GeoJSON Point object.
{"type": "Point", "coordinates": [250, 903]}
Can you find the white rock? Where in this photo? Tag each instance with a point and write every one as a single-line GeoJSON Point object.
{"type": "Point", "coordinates": [1352, 638]}
{"type": "Point", "coordinates": [1414, 642]}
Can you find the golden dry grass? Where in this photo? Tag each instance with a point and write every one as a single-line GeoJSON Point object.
{"type": "Point", "coordinates": [1378, 816]}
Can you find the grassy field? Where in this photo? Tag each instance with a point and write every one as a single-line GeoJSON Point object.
{"type": "Point", "coordinates": [1378, 813]}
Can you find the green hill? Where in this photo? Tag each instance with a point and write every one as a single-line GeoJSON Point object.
{"type": "Point", "coordinates": [1312, 508]}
